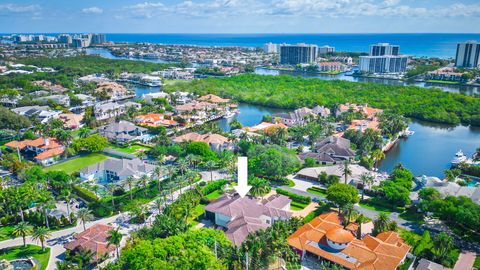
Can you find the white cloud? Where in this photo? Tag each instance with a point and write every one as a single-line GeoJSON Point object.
{"type": "Point", "coordinates": [92, 10]}
{"type": "Point", "coordinates": [14, 8]}
{"type": "Point", "coordinates": [295, 8]}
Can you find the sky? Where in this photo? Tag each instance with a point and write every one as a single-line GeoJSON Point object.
{"type": "Point", "coordinates": [240, 16]}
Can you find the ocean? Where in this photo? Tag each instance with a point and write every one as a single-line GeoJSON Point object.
{"type": "Point", "coordinates": [430, 45]}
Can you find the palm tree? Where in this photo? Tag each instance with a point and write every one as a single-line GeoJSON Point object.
{"type": "Point", "coordinates": [260, 187]}
{"type": "Point", "coordinates": [83, 132]}
{"type": "Point", "coordinates": [47, 203]}
{"type": "Point", "coordinates": [64, 265]}
{"type": "Point", "coordinates": [85, 257]}
{"type": "Point", "coordinates": [111, 187]}
{"type": "Point", "coordinates": [84, 215]}
{"type": "Point", "coordinates": [69, 196]}
{"type": "Point", "coordinates": [210, 165]}
{"type": "Point", "coordinates": [182, 165]}
{"type": "Point", "coordinates": [377, 155]}
{"type": "Point", "coordinates": [95, 188]}
{"type": "Point", "coordinates": [348, 211]}
{"type": "Point", "coordinates": [41, 234]}
{"type": "Point", "coordinates": [130, 181]}
{"type": "Point", "coordinates": [360, 220]}
{"type": "Point", "coordinates": [114, 238]}
{"type": "Point", "coordinates": [381, 224]}
{"type": "Point", "coordinates": [366, 179]}
{"type": "Point", "coordinates": [143, 181]}
{"type": "Point", "coordinates": [22, 229]}
{"type": "Point", "coordinates": [158, 173]}
{"type": "Point", "coordinates": [443, 243]}
{"type": "Point", "coordinates": [190, 159]}
{"type": "Point", "coordinates": [346, 170]}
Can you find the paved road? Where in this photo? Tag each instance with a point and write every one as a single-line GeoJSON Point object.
{"type": "Point", "coordinates": [465, 261]}
{"type": "Point", "coordinates": [59, 238]}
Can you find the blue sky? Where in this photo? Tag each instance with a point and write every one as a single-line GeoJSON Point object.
{"type": "Point", "coordinates": [240, 16]}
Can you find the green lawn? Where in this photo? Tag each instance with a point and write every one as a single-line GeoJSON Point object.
{"type": "Point", "coordinates": [131, 149]}
{"type": "Point", "coordinates": [444, 82]}
{"type": "Point", "coordinates": [296, 206]}
{"type": "Point", "coordinates": [476, 264]}
{"type": "Point", "coordinates": [317, 191]}
{"type": "Point", "coordinates": [29, 251]}
{"type": "Point", "coordinates": [76, 164]}
{"type": "Point", "coordinates": [170, 82]}
{"type": "Point", "coordinates": [5, 232]}
{"type": "Point", "coordinates": [214, 195]}
{"type": "Point", "coordinates": [375, 207]}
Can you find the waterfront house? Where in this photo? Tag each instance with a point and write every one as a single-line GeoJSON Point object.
{"type": "Point", "coordinates": [213, 99]}
{"type": "Point", "coordinates": [122, 132]}
{"type": "Point", "coordinates": [155, 120]}
{"type": "Point", "coordinates": [353, 179]}
{"type": "Point", "coordinates": [367, 111]}
{"type": "Point", "coordinates": [364, 124]}
{"type": "Point", "coordinates": [59, 99]}
{"type": "Point", "coordinates": [331, 150]}
{"type": "Point", "coordinates": [116, 170]}
{"type": "Point", "coordinates": [93, 78]}
{"type": "Point", "coordinates": [446, 188]}
{"type": "Point", "coordinates": [321, 111]}
{"type": "Point", "coordinates": [446, 74]}
{"type": "Point", "coordinates": [71, 120]}
{"type": "Point", "coordinates": [241, 216]}
{"type": "Point", "coordinates": [265, 127]}
{"type": "Point", "coordinates": [94, 239]}
{"type": "Point", "coordinates": [45, 151]}
{"type": "Point", "coordinates": [331, 67]}
{"type": "Point", "coordinates": [297, 117]}
{"type": "Point", "coordinates": [216, 142]}
{"type": "Point", "coordinates": [325, 239]}
{"type": "Point", "coordinates": [113, 90]}
{"type": "Point", "coordinates": [108, 110]}
{"type": "Point", "coordinates": [150, 97]}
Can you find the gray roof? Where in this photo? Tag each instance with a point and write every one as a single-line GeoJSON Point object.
{"type": "Point", "coordinates": [337, 170]}
{"type": "Point", "coordinates": [425, 264]}
{"type": "Point", "coordinates": [337, 146]}
{"type": "Point", "coordinates": [240, 228]}
{"type": "Point", "coordinates": [321, 157]}
{"type": "Point", "coordinates": [450, 188]}
{"type": "Point", "coordinates": [120, 130]}
{"type": "Point", "coordinates": [122, 167]}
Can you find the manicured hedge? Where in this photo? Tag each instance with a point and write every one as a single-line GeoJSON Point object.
{"type": "Point", "coordinates": [295, 197]}
{"type": "Point", "coordinates": [85, 194]}
{"type": "Point", "coordinates": [213, 186]}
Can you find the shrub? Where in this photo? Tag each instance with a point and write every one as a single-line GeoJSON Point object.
{"type": "Point", "coordinates": [85, 194]}
{"type": "Point", "coordinates": [213, 186]}
{"type": "Point", "coordinates": [295, 197]}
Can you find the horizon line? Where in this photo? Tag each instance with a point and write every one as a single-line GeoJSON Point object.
{"type": "Point", "coordinates": [265, 33]}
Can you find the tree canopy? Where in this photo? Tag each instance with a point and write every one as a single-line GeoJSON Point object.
{"type": "Point", "coordinates": [293, 92]}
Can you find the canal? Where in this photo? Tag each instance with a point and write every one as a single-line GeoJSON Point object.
{"type": "Point", "coordinates": [428, 151]}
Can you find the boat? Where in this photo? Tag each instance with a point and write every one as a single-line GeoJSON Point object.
{"type": "Point", "coordinates": [459, 158]}
{"type": "Point", "coordinates": [228, 114]}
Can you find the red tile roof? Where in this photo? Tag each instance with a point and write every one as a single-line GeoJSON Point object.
{"type": "Point", "coordinates": [384, 252]}
{"type": "Point", "coordinates": [93, 239]}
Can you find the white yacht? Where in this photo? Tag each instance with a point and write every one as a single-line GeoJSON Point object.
{"type": "Point", "coordinates": [459, 158]}
{"type": "Point", "coordinates": [229, 114]}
